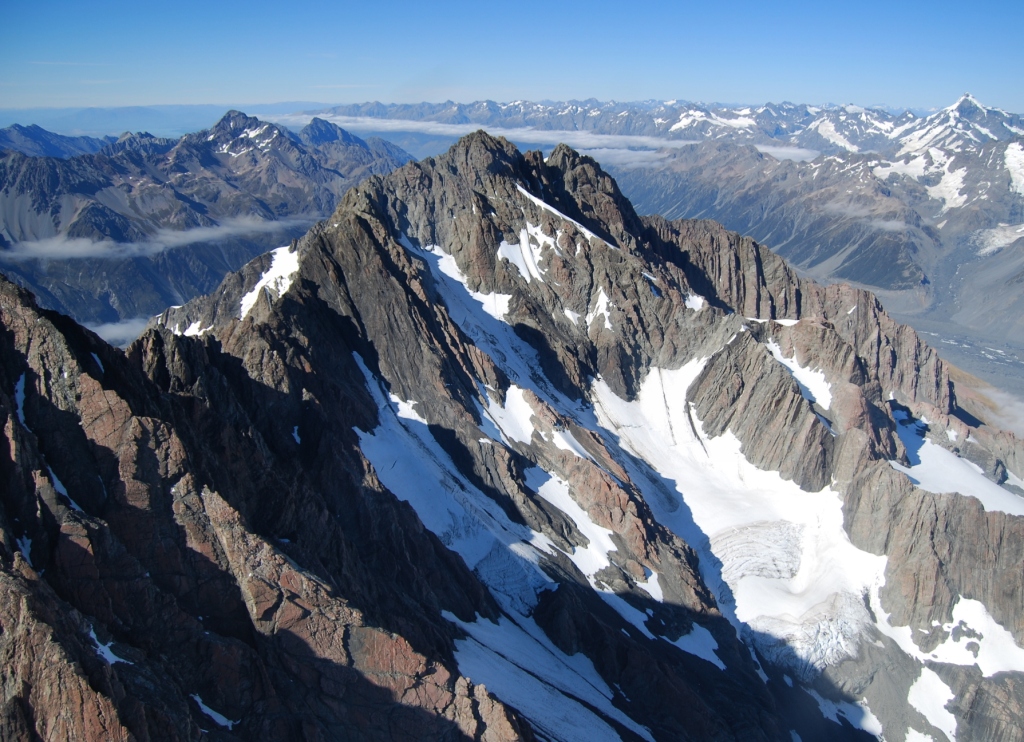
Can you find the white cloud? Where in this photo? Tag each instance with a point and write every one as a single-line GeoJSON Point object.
{"type": "Point", "coordinates": [627, 159]}
{"type": "Point", "coordinates": [121, 333]}
{"type": "Point", "coordinates": [799, 154]}
{"type": "Point", "coordinates": [1008, 413]}
{"type": "Point", "coordinates": [62, 247]}
{"type": "Point", "coordinates": [575, 139]}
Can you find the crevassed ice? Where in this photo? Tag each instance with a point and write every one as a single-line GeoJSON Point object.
{"type": "Point", "coordinates": [277, 279]}
{"type": "Point", "coordinates": [815, 601]}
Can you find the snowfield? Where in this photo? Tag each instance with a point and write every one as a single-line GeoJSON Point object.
{"type": "Point", "coordinates": [777, 558]}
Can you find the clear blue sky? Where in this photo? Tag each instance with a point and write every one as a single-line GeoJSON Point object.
{"type": "Point", "coordinates": [113, 53]}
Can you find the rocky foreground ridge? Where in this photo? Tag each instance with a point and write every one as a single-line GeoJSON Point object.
{"type": "Point", "coordinates": [486, 455]}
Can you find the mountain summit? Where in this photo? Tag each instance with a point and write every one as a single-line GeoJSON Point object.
{"type": "Point", "coordinates": [486, 455]}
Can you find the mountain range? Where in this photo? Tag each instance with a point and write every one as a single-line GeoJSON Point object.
{"type": "Point", "coordinates": [927, 211]}
{"type": "Point", "coordinates": [92, 234]}
{"type": "Point", "coordinates": [487, 455]}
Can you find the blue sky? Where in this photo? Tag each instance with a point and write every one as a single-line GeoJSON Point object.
{"type": "Point", "coordinates": [114, 53]}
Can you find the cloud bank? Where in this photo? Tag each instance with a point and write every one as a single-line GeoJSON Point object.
{"type": "Point", "coordinates": [575, 139]}
{"type": "Point", "coordinates": [799, 154]}
{"type": "Point", "coordinates": [61, 247]}
{"type": "Point", "coordinates": [121, 334]}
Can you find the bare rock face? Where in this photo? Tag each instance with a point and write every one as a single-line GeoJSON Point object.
{"type": "Point", "coordinates": [168, 594]}
{"type": "Point", "coordinates": [441, 468]}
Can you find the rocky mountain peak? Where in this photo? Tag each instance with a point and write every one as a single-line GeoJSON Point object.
{"type": "Point", "coordinates": [234, 122]}
{"type": "Point", "coordinates": [482, 156]}
{"type": "Point", "coordinates": [318, 131]}
{"type": "Point", "coordinates": [967, 106]}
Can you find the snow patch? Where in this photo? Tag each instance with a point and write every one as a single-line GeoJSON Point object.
{"type": "Point", "coordinates": [566, 441]}
{"type": "Point", "coordinates": [98, 363]}
{"type": "Point", "coordinates": [526, 256]}
{"type": "Point", "coordinates": [858, 714]}
{"type": "Point", "coordinates": [277, 279]}
{"type": "Point", "coordinates": [695, 302]}
{"type": "Point", "coordinates": [828, 130]}
{"type": "Point", "coordinates": [517, 662]}
{"type": "Point", "coordinates": [948, 189]}
{"type": "Point", "coordinates": [219, 719]}
{"type": "Point", "coordinates": [514, 420]}
{"type": "Point", "coordinates": [547, 207]}
{"type": "Point", "coordinates": [494, 304]}
{"type": "Point", "coordinates": [19, 400]}
{"type": "Point", "coordinates": [813, 385]}
{"type": "Point", "coordinates": [104, 650]}
{"type": "Point", "coordinates": [591, 558]}
{"type": "Point", "coordinates": [929, 695]}
{"type": "Point", "coordinates": [996, 651]}
{"type": "Point", "coordinates": [600, 308]}
{"type": "Point", "coordinates": [25, 547]}
{"type": "Point", "coordinates": [701, 643]}
{"type": "Point", "coordinates": [410, 463]}
{"type": "Point", "coordinates": [934, 469]}
{"type": "Point", "coordinates": [406, 410]}
{"type": "Point", "coordinates": [194, 330]}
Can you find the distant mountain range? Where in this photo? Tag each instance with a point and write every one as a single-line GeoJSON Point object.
{"type": "Point", "coordinates": [927, 211]}
{"type": "Point", "coordinates": [91, 233]}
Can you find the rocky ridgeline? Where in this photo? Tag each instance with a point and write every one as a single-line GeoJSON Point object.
{"type": "Point", "coordinates": [305, 505]}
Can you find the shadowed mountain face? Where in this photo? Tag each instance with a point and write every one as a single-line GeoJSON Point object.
{"type": "Point", "coordinates": [487, 455]}
{"type": "Point", "coordinates": [147, 222]}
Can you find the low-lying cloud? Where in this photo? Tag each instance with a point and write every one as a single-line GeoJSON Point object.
{"type": "Point", "coordinates": [866, 216]}
{"type": "Point", "coordinates": [798, 154]}
{"type": "Point", "coordinates": [628, 159]}
{"type": "Point", "coordinates": [575, 139]}
{"type": "Point", "coordinates": [1008, 413]}
{"type": "Point", "coordinates": [61, 247]}
{"type": "Point", "coordinates": [122, 333]}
